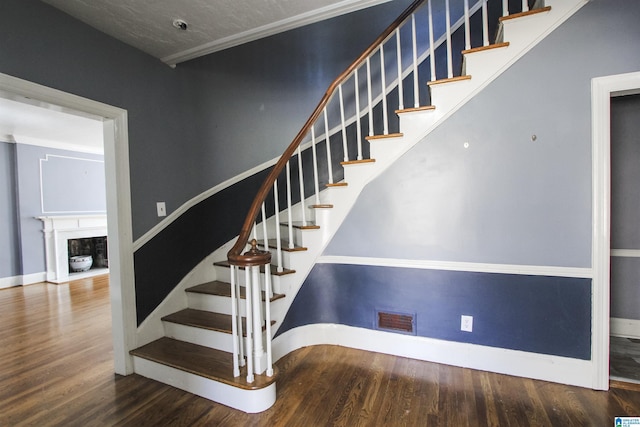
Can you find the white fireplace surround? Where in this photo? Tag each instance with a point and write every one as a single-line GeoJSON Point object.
{"type": "Point", "coordinates": [58, 230]}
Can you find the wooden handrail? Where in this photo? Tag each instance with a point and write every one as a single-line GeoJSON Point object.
{"type": "Point", "coordinates": [235, 256]}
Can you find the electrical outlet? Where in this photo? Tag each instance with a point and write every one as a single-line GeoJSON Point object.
{"type": "Point", "coordinates": [162, 209]}
{"type": "Point", "coordinates": [466, 323]}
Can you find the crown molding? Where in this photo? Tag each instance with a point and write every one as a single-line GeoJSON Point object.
{"type": "Point", "coordinates": [328, 12]}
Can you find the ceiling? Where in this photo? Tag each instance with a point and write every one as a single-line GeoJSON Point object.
{"type": "Point", "coordinates": [212, 25]}
{"type": "Point", "coordinates": [35, 123]}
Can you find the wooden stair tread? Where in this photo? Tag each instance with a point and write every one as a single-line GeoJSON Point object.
{"type": "Point", "coordinates": [337, 184]}
{"type": "Point", "coordinates": [201, 319]}
{"type": "Point", "coordinates": [357, 162]}
{"type": "Point", "coordinates": [521, 14]}
{"type": "Point", "coordinates": [223, 289]}
{"type": "Point", "coordinates": [205, 320]}
{"type": "Point", "coordinates": [449, 80]}
{"type": "Point", "coordinates": [415, 109]}
{"type": "Point", "coordinates": [483, 48]}
{"type": "Point", "coordinates": [284, 245]}
{"type": "Point", "coordinates": [274, 269]}
{"type": "Point", "coordinates": [310, 225]}
{"type": "Point", "coordinates": [389, 135]}
{"type": "Point", "coordinates": [199, 360]}
{"type": "Point", "coordinates": [322, 206]}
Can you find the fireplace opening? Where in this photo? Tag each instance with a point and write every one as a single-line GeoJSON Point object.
{"type": "Point", "coordinates": [96, 247]}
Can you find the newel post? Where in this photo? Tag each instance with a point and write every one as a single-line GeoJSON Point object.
{"type": "Point", "coordinates": [258, 360]}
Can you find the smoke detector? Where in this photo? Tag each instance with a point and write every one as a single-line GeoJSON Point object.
{"type": "Point", "coordinates": [180, 24]}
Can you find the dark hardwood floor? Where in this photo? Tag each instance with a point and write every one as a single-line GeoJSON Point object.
{"type": "Point", "coordinates": [56, 369]}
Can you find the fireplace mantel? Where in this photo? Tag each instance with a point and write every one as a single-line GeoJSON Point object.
{"type": "Point", "coordinates": [57, 232]}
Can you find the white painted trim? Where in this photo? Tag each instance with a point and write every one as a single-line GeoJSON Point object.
{"type": "Point", "coordinates": [46, 159]}
{"type": "Point", "coordinates": [602, 89]}
{"type": "Point", "coordinates": [628, 328]}
{"type": "Point", "coordinates": [627, 253]}
{"type": "Point", "coordinates": [146, 237]}
{"type": "Point", "coordinates": [530, 270]}
{"type": "Point", "coordinates": [27, 279]}
{"type": "Point", "coordinates": [116, 147]}
{"type": "Point", "coordinates": [39, 142]}
{"type": "Point", "coordinates": [510, 362]}
{"type": "Point", "coordinates": [327, 12]}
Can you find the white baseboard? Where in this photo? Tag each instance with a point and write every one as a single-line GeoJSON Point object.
{"type": "Point", "coordinates": [557, 369]}
{"type": "Point", "coordinates": [28, 279]}
{"type": "Point", "coordinates": [628, 328]}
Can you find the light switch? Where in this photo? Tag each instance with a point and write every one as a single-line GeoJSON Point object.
{"type": "Point", "coordinates": [162, 209]}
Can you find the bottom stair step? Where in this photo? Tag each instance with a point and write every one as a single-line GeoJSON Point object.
{"type": "Point", "coordinates": [204, 371]}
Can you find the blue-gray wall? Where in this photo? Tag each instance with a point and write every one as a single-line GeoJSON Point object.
{"type": "Point", "coordinates": [504, 200]}
{"type": "Point", "coordinates": [42, 175]}
{"type": "Point", "coordinates": [9, 240]}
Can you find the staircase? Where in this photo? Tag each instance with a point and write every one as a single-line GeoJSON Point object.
{"type": "Point", "coordinates": [219, 346]}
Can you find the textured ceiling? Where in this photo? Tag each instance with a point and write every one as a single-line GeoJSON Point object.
{"type": "Point", "coordinates": [213, 25]}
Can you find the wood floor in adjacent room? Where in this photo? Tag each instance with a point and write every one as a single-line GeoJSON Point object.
{"type": "Point", "coordinates": [56, 369]}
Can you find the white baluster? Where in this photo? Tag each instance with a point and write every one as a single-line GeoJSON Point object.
{"type": "Point", "coordinates": [525, 6]}
{"type": "Point", "coordinates": [358, 125]}
{"type": "Point", "coordinates": [449, 54]}
{"type": "Point", "coordinates": [467, 29]}
{"type": "Point", "coordinates": [267, 309]}
{"type": "Point", "coordinates": [485, 24]}
{"type": "Point", "coordinates": [264, 228]}
{"type": "Point", "coordinates": [276, 203]}
{"type": "Point", "coordinates": [316, 183]}
{"type": "Point", "coordinates": [432, 56]}
{"type": "Point", "coordinates": [289, 209]}
{"type": "Point", "coordinates": [416, 85]}
{"type": "Point", "coordinates": [258, 350]}
{"type": "Point", "coordinates": [234, 325]}
{"type": "Point", "coordinates": [399, 56]}
{"type": "Point", "coordinates": [328, 141]}
{"type": "Point", "coordinates": [238, 318]}
{"type": "Point", "coordinates": [345, 149]}
{"type": "Point", "coordinates": [249, 313]}
{"type": "Point", "coordinates": [385, 114]}
{"type": "Point", "coordinates": [254, 231]}
{"type": "Point", "coordinates": [301, 178]}
{"type": "Point", "coordinates": [505, 7]}
{"type": "Point", "coordinates": [369, 97]}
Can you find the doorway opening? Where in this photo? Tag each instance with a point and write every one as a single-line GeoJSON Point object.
{"type": "Point", "coordinates": [602, 90]}
{"type": "Point", "coordinates": [116, 157]}
{"type": "Point", "coordinates": [624, 349]}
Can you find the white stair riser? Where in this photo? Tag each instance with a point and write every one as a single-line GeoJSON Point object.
{"type": "Point", "coordinates": [224, 274]}
{"type": "Point", "coordinates": [213, 303]}
{"type": "Point", "coordinates": [288, 258]}
{"type": "Point", "coordinates": [449, 95]}
{"type": "Point", "coordinates": [410, 123]}
{"type": "Point", "coordinates": [204, 337]}
{"type": "Point", "coordinates": [481, 65]}
{"type": "Point", "coordinates": [250, 401]}
{"type": "Point", "coordinates": [299, 235]}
